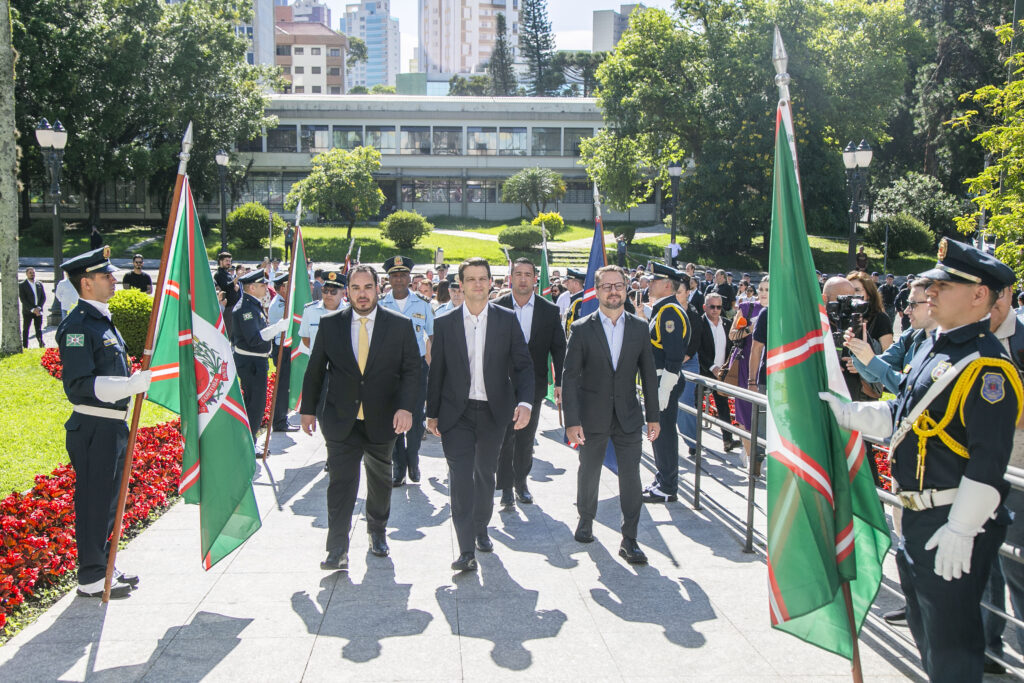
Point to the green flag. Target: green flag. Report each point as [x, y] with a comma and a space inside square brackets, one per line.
[194, 376]
[299, 294]
[545, 291]
[825, 522]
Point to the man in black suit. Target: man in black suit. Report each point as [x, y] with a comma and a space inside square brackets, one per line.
[541, 325]
[713, 354]
[481, 378]
[371, 362]
[32, 299]
[606, 351]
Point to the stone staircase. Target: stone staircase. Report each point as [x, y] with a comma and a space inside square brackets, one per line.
[574, 257]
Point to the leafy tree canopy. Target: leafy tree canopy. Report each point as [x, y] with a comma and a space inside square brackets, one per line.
[534, 188]
[357, 51]
[479, 85]
[341, 186]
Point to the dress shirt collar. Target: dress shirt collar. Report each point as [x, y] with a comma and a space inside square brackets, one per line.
[371, 316]
[1008, 327]
[466, 315]
[605, 320]
[517, 307]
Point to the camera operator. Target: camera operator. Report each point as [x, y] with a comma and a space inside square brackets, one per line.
[878, 323]
[840, 300]
[887, 367]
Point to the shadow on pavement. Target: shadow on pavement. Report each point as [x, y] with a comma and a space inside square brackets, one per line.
[538, 533]
[412, 511]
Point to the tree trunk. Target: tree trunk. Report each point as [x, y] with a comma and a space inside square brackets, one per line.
[25, 220]
[348, 237]
[10, 340]
[94, 195]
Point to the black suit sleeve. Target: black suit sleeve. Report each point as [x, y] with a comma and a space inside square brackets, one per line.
[648, 375]
[436, 370]
[522, 364]
[571, 376]
[706, 349]
[316, 369]
[411, 367]
[557, 345]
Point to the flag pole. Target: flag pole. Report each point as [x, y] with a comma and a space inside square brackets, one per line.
[147, 357]
[858, 674]
[288, 318]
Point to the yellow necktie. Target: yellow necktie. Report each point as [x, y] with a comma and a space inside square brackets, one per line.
[362, 353]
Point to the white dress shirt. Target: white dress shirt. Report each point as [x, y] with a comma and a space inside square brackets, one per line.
[614, 333]
[524, 314]
[371, 317]
[476, 333]
[563, 301]
[718, 334]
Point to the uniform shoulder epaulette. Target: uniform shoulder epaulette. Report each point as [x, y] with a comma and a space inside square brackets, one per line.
[421, 298]
[311, 303]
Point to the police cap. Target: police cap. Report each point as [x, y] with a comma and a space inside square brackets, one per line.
[95, 261]
[663, 272]
[254, 278]
[398, 264]
[576, 274]
[335, 278]
[959, 262]
[281, 278]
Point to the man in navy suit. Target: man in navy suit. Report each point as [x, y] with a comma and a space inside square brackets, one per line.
[481, 378]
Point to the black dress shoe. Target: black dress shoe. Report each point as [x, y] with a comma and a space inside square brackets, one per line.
[414, 475]
[130, 579]
[584, 533]
[524, 496]
[397, 481]
[484, 543]
[897, 617]
[630, 551]
[994, 667]
[336, 559]
[117, 591]
[465, 563]
[286, 428]
[379, 544]
[729, 445]
[656, 495]
[508, 500]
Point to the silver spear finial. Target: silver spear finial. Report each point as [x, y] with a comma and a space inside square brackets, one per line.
[186, 146]
[781, 60]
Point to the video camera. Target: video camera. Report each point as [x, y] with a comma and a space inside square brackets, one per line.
[845, 312]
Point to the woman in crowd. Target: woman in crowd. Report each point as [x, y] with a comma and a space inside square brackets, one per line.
[756, 368]
[878, 323]
[742, 336]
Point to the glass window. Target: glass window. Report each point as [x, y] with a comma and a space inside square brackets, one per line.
[348, 137]
[254, 145]
[316, 90]
[314, 50]
[299, 51]
[334, 52]
[432, 191]
[381, 137]
[314, 138]
[281, 139]
[481, 140]
[335, 89]
[447, 140]
[284, 50]
[286, 70]
[578, 192]
[415, 140]
[571, 142]
[481, 191]
[299, 89]
[512, 141]
[334, 71]
[314, 70]
[547, 142]
[300, 69]
[122, 196]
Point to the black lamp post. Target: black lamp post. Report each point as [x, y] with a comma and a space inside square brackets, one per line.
[856, 159]
[222, 170]
[675, 169]
[52, 140]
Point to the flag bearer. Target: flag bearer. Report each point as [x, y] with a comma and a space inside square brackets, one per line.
[277, 311]
[99, 384]
[954, 422]
[250, 338]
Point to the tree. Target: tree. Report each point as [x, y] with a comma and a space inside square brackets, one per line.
[999, 187]
[126, 78]
[922, 197]
[537, 45]
[503, 77]
[341, 186]
[580, 69]
[358, 90]
[533, 188]
[10, 339]
[478, 85]
[357, 52]
[381, 89]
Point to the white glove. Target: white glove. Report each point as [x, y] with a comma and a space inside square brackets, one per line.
[113, 389]
[273, 329]
[975, 503]
[870, 417]
[666, 383]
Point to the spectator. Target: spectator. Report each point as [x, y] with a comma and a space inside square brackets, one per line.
[620, 251]
[137, 279]
[727, 292]
[714, 349]
[742, 339]
[32, 299]
[318, 284]
[879, 325]
[709, 281]
[889, 290]
[289, 240]
[901, 302]
[696, 301]
[95, 238]
[756, 369]
[862, 261]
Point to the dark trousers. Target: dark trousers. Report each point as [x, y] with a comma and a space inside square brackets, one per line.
[287, 251]
[1013, 571]
[406, 454]
[96, 447]
[343, 458]
[280, 421]
[666, 446]
[945, 616]
[627, 453]
[516, 457]
[252, 375]
[722, 406]
[27, 320]
[471, 449]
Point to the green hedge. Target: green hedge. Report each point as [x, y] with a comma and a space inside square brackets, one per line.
[906, 234]
[249, 224]
[553, 221]
[523, 236]
[130, 310]
[405, 228]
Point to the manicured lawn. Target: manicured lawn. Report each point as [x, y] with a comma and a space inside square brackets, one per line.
[38, 242]
[32, 417]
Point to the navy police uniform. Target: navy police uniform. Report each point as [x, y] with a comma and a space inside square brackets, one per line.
[671, 336]
[954, 418]
[251, 351]
[92, 349]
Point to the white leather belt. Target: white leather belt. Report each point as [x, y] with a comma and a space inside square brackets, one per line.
[924, 500]
[251, 353]
[95, 411]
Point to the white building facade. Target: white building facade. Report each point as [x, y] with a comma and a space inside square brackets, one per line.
[458, 36]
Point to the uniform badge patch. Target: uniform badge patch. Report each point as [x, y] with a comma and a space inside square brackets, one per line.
[75, 340]
[940, 370]
[670, 326]
[247, 316]
[992, 387]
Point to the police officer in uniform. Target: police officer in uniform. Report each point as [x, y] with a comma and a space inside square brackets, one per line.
[671, 336]
[332, 300]
[406, 456]
[954, 422]
[277, 311]
[250, 337]
[98, 382]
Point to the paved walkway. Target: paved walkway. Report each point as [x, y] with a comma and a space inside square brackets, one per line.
[541, 607]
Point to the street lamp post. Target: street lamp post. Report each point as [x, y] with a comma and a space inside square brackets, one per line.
[856, 159]
[675, 169]
[222, 170]
[52, 140]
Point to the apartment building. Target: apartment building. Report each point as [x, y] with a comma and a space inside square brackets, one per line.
[609, 26]
[312, 57]
[371, 21]
[458, 36]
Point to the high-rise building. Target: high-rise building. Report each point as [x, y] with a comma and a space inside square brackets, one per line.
[609, 26]
[312, 57]
[311, 11]
[371, 21]
[457, 36]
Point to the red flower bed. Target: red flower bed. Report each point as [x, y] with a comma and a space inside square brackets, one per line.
[52, 363]
[37, 544]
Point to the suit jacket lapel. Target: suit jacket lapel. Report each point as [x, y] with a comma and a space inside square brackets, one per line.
[603, 340]
[347, 352]
[380, 332]
[490, 338]
[459, 341]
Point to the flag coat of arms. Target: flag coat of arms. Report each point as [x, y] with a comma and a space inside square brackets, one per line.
[194, 376]
[826, 526]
